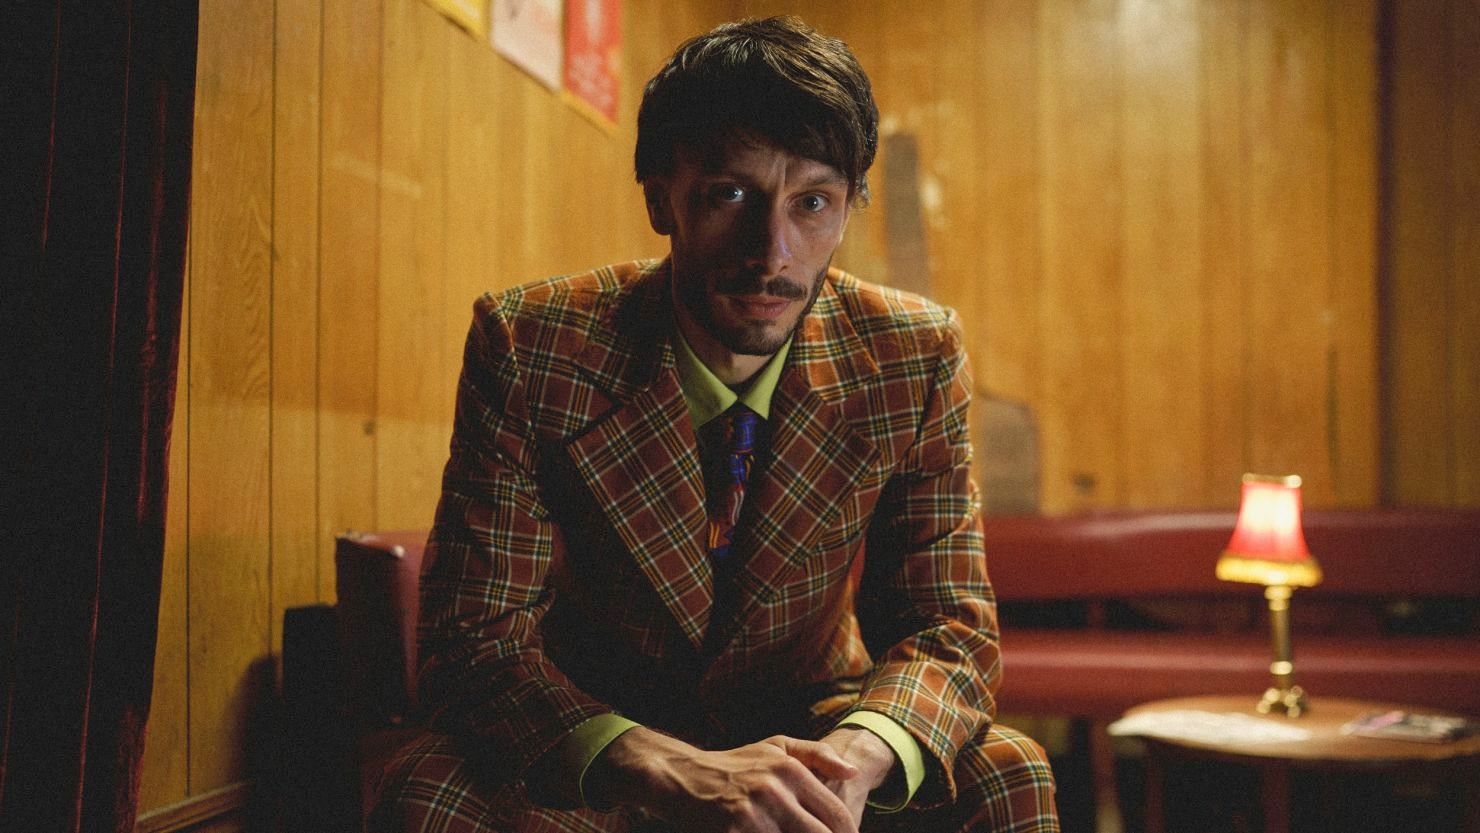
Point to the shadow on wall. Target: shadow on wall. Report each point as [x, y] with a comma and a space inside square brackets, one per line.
[1006, 445]
[293, 751]
[1005, 437]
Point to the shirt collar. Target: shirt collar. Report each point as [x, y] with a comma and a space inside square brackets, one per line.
[708, 397]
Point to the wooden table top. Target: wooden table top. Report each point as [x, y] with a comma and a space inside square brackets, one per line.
[1326, 744]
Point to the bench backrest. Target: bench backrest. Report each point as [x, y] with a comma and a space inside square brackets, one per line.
[376, 577]
[1126, 555]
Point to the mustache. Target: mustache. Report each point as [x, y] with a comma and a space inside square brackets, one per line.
[750, 283]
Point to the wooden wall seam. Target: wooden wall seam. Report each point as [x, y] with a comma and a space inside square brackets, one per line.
[293, 520]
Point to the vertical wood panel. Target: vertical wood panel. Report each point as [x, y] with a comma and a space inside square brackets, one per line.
[1161, 294]
[1353, 389]
[642, 53]
[909, 64]
[1418, 405]
[952, 199]
[295, 311]
[540, 246]
[608, 170]
[1008, 174]
[1225, 234]
[1289, 266]
[229, 598]
[579, 250]
[349, 229]
[474, 245]
[864, 250]
[512, 139]
[870, 250]
[409, 367]
[545, 247]
[1464, 153]
[1079, 414]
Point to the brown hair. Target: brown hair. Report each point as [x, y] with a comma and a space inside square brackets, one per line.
[776, 79]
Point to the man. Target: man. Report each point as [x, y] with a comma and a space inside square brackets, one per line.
[707, 555]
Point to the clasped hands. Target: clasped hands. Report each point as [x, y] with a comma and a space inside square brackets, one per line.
[779, 785]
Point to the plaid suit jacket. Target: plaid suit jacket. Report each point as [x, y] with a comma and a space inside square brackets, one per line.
[566, 574]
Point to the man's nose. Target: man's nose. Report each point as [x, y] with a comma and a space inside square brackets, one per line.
[768, 243]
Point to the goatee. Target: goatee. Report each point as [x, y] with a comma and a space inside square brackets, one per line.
[739, 339]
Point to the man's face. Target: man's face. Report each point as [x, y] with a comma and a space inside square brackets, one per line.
[752, 230]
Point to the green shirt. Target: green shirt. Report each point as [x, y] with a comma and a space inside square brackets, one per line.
[707, 398]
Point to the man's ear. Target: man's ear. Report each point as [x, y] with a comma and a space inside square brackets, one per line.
[660, 210]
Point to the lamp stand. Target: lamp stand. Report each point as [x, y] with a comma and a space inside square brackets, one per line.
[1283, 696]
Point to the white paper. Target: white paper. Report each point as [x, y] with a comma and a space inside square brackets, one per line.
[1208, 727]
[529, 33]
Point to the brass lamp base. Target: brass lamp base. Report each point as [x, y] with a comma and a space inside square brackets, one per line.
[1282, 696]
[1287, 701]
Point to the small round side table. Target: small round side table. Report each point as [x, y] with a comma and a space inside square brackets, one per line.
[1326, 750]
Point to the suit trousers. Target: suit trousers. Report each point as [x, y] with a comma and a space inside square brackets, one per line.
[1003, 784]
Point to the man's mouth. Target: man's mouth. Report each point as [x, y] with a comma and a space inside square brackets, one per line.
[766, 307]
[751, 287]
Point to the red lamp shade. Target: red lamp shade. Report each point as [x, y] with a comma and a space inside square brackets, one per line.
[1268, 544]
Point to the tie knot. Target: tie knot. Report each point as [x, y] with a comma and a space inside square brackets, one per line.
[740, 423]
[743, 418]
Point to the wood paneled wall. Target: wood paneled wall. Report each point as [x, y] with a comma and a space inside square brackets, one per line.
[362, 172]
[1158, 218]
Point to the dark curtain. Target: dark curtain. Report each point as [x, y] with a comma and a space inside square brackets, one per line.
[96, 104]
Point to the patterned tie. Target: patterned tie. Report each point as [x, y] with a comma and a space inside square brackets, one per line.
[733, 448]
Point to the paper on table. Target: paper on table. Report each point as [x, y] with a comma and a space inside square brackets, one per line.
[1208, 727]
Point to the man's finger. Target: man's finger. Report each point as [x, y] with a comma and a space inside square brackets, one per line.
[819, 757]
[825, 806]
[806, 801]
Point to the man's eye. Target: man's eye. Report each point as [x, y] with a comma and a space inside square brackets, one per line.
[813, 203]
[727, 193]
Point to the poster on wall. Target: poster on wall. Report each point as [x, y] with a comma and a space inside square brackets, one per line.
[471, 15]
[527, 32]
[593, 57]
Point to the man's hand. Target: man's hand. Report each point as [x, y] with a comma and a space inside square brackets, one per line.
[869, 755]
[779, 785]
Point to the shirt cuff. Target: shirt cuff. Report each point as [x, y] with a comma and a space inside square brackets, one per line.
[890, 797]
[576, 751]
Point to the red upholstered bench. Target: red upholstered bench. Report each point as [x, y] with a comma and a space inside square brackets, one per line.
[1103, 611]
[377, 576]
[349, 681]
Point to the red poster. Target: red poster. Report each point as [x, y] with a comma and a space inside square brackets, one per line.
[593, 55]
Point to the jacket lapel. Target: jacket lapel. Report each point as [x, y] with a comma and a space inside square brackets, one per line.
[640, 459]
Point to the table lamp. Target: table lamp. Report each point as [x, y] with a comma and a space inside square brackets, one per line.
[1268, 548]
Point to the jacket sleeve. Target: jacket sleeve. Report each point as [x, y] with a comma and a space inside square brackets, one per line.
[486, 583]
[925, 605]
